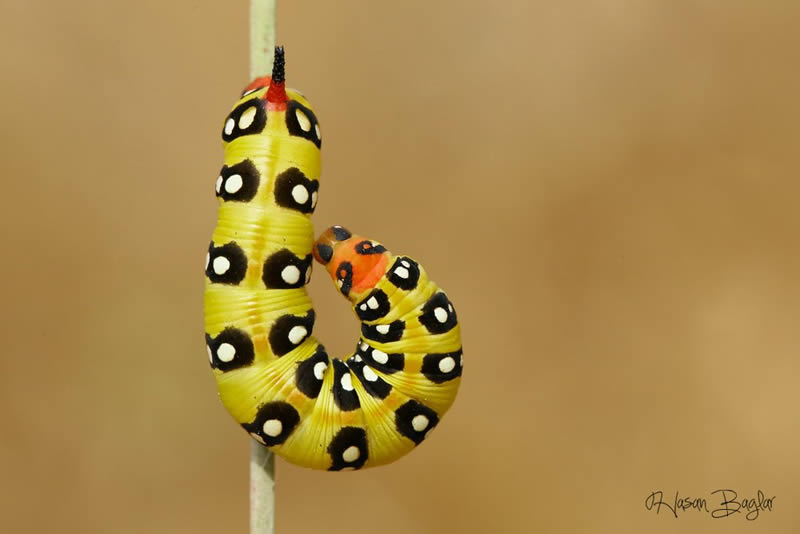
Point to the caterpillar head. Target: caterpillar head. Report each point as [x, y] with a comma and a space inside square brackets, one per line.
[354, 262]
[267, 105]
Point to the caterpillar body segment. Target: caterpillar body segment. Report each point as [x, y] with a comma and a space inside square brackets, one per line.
[273, 376]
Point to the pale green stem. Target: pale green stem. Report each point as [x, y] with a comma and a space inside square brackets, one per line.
[262, 461]
[262, 489]
[262, 37]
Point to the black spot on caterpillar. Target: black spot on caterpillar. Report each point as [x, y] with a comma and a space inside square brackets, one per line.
[341, 233]
[404, 273]
[302, 122]
[230, 349]
[414, 420]
[368, 247]
[290, 331]
[344, 277]
[284, 270]
[374, 306]
[440, 368]
[387, 363]
[325, 252]
[226, 264]
[438, 314]
[384, 333]
[348, 449]
[311, 371]
[294, 191]
[373, 384]
[247, 118]
[343, 392]
[273, 423]
[238, 183]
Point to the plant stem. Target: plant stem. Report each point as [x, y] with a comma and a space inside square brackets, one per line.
[262, 489]
[262, 461]
[262, 37]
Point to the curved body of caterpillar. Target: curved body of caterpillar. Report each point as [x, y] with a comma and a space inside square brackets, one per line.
[273, 376]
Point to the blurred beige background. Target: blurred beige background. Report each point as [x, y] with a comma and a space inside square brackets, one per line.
[607, 189]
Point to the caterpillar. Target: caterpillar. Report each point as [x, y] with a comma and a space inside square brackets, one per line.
[276, 380]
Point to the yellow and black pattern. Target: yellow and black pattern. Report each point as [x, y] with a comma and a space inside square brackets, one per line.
[274, 377]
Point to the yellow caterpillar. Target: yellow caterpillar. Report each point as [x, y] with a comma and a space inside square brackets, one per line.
[274, 377]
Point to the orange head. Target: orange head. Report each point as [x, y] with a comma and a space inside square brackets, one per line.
[354, 262]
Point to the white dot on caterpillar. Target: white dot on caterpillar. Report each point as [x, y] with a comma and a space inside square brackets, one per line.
[364, 346]
[302, 120]
[363, 307]
[357, 358]
[273, 427]
[297, 333]
[370, 375]
[300, 194]
[351, 454]
[461, 360]
[382, 328]
[316, 130]
[219, 184]
[419, 422]
[208, 258]
[340, 283]
[221, 265]
[258, 438]
[379, 356]
[308, 274]
[246, 118]
[441, 315]
[290, 274]
[402, 272]
[314, 199]
[404, 263]
[319, 369]
[210, 356]
[372, 303]
[447, 364]
[347, 382]
[450, 307]
[229, 124]
[233, 183]
[226, 352]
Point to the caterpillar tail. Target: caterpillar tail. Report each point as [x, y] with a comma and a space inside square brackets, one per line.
[276, 380]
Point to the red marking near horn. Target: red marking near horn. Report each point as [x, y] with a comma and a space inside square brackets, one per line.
[276, 97]
[258, 83]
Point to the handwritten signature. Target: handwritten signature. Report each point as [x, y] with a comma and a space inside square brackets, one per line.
[729, 504]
